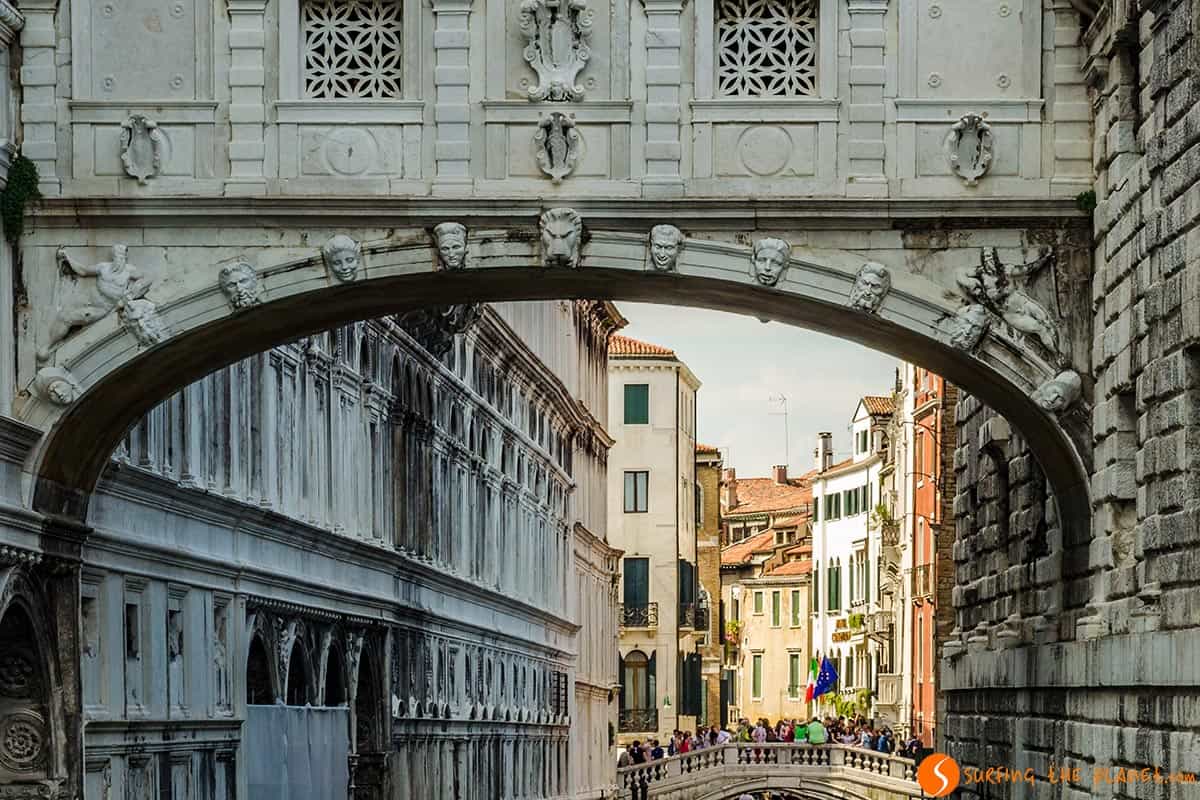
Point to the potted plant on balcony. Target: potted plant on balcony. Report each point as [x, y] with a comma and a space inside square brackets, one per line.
[855, 621]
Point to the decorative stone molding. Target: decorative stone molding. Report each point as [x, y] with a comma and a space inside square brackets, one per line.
[769, 260]
[561, 231]
[247, 109]
[968, 148]
[665, 243]
[22, 740]
[452, 111]
[343, 257]
[1001, 289]
[451, 241]
[556, 145]
[142, 145]
[435, 328]
[141, 319]
[1060, 392]
[11, 23]
[56, 385]
[117, 283]
[240, 285]
[557, 32]
[870, 287]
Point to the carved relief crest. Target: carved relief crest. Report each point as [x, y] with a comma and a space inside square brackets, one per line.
[557, 32]
[142, 145]
[968, 148]
[556, 145]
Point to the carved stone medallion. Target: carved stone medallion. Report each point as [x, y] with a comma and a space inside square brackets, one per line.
[561, 229]
[870, 287]
[22, 740]
[142, 145]
[556, 145]
[557, 32]
[968, 148]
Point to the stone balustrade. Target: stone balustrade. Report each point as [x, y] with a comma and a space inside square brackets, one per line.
[715, 771]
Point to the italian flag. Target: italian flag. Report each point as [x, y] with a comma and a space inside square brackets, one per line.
[812, 680]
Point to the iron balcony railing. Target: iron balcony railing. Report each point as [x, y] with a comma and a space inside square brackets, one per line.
[638, 720]
[922, 581]
[693, 615]
[643, 616]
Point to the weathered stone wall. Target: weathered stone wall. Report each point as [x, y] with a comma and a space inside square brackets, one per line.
[1128, 617]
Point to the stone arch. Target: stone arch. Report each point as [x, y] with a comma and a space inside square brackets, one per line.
[806, 790]
[32, 721]
[367, 720]
[297, 688]
[334, 691]
[120, 381]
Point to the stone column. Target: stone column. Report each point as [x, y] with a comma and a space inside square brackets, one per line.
[247, 104]
[663, 75]
[451, 110]
[867, 79]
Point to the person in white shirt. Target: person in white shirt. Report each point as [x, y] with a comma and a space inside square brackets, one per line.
[724, 736]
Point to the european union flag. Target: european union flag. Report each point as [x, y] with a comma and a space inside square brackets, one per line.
[826, 679]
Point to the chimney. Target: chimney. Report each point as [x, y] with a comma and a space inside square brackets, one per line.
[729, 483]
[824, 451]
[779, 472]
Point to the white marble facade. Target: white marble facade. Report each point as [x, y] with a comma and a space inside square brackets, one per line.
[350, 522]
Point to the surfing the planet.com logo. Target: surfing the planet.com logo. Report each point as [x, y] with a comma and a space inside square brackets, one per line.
[939, 775]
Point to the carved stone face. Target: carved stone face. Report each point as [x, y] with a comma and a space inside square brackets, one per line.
[665, 241]
[870, 287]
[451, 244]
[343, 257]
[969, 325]
[1058, 393]
[770, 260]
[56, 385]
[240, 285]
[561, 229]
[141, 319]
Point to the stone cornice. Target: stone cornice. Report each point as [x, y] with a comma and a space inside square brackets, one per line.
[608, 214]
[11, 22]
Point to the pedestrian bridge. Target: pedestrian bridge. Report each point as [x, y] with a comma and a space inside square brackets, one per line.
[786, 771]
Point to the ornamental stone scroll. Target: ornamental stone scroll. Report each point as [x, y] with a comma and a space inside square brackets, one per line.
[968, 148]
[557, 32]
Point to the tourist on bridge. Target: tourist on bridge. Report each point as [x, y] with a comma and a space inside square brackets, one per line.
[626, 757]
[656, 752]
[816, 732]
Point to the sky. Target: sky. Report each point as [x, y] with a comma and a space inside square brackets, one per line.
[742, 362]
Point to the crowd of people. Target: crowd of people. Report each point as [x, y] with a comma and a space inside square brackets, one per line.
[855, 732]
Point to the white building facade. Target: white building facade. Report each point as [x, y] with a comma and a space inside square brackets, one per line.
[846, 552]
[652, 519]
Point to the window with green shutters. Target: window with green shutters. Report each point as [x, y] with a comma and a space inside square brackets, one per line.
[756, 681]
[793, 675]
[637, 403]
[816, 588]
[795, 608]
[758, 602]
[776, 608]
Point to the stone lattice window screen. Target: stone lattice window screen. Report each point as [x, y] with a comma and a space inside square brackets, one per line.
[352, 48]
[766, 48]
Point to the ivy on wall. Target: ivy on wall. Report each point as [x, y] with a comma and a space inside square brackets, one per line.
[21, 189]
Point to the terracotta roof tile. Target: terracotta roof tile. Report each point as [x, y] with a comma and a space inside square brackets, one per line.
[799, 566]
[624, 346]
[706, 448]
[741, 552]
[879, 406]
[760, 495]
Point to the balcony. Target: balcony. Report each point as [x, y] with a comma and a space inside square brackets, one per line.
[638, 720]
[643, 616]
[879, 624]
[922, 583]
[694, 616]
[889, 690]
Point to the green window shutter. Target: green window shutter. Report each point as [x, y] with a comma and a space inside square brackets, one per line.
[756, 686]
[637, 403]
[795, 607]
[793, 674]
[758, 602]
[776, 603]
[816, 587]
[867, 580]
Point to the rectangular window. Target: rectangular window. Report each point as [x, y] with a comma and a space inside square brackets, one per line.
[837, 506]
[758, 603]
[737, 609]
[862, 441]
[637, 582]
[637, 485]
[746, 69]
[637, 403]
[776, 610]
[352, 50]
[756, 682]
[795, 608]
[816, 587]
[793, 675]
[816, 507]
[849, 671]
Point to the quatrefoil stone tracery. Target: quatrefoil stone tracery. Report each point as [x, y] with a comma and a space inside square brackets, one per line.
[352, 48]
[767, 48]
